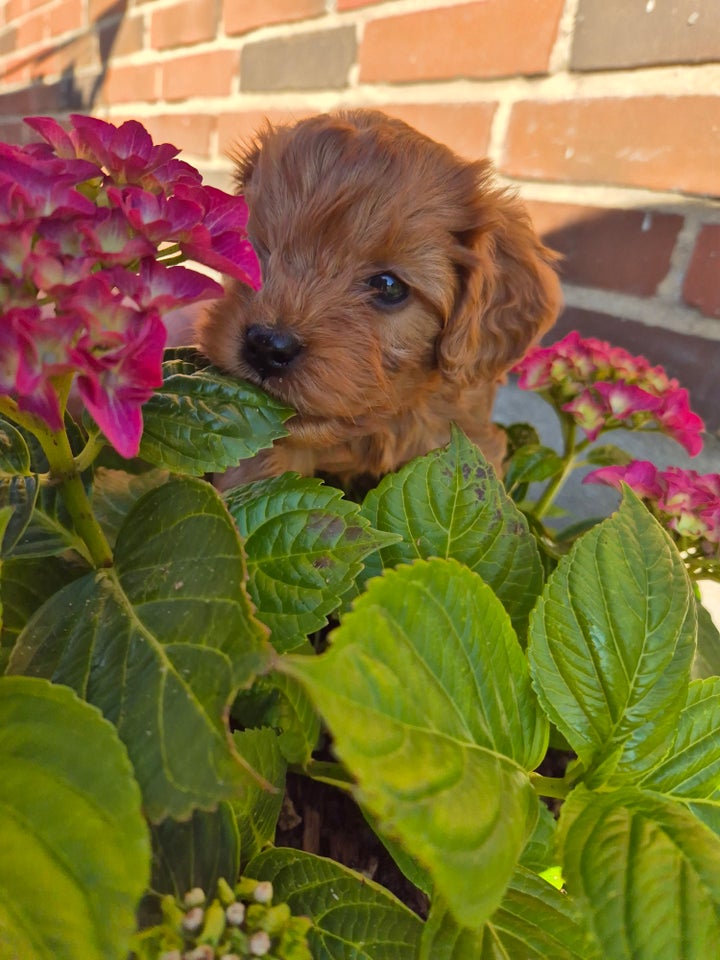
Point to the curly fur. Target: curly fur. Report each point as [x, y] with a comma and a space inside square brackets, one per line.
[334, 200]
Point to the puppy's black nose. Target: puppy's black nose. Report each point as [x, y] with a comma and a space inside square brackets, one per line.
[270, 350]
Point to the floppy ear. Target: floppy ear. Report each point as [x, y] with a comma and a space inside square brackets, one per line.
[508, 295]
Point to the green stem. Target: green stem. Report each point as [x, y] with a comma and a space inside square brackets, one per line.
[65, 473]
[571, 449]
[324, 771]
[89, 452]
[556, 787]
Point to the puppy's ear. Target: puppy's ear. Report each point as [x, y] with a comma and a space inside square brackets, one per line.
[508, 294]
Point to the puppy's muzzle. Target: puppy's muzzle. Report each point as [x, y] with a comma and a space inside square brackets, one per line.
[270, 351]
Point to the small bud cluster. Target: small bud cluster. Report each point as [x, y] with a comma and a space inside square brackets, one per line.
[239, 924]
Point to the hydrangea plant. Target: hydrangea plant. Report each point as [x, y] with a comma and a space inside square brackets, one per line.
[159, 641]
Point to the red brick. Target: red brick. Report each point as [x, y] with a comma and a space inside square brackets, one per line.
[78, 53]
[251, 14]
[65, 16]
[14, 9]
[122, 37]
[494, 38]
[37, 98]
[192, 21]
[464, 127]
[32, 30]
[16, 70]
[702, 281]
[624, 250]
[662, 143]
[8, 41]
[98, 9]
[190, 133]
[204, 74]
[124, 84]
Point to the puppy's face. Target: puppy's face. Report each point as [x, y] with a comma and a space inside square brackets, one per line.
[378, 248]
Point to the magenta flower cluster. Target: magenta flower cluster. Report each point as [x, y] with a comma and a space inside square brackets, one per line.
[685, 501]
[604, 387]
[86, 218]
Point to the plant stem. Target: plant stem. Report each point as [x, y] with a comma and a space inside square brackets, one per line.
[556, 787]
[65, 473]
[557, 482]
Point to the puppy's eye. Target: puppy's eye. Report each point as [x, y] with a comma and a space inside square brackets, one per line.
[388, 290]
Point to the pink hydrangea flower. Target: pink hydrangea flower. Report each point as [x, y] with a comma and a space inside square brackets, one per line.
[603, 387]
[82, 287]
[684, 500]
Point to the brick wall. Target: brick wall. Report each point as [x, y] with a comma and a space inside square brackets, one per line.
[605, 114]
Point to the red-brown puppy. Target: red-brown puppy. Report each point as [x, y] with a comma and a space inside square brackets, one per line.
[399, 285]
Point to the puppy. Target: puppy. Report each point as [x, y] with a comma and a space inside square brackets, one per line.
[399, 285]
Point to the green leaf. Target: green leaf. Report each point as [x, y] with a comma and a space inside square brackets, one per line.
[450, 504]
[18, 497]
[41, 526]
[161, 643]
[707, 655]
[531, 464]
[611, 643]
[691, 771]
[24, 586]
[426, 692]
[202, 421]
[257, 810]
[534, 922]
[196, 852]
[281, 702]
[539, 853]
[305, 545]
[351, 916]
[115, 492]
[14, 453]
[645, 871]
[74, 848]
[607, 455]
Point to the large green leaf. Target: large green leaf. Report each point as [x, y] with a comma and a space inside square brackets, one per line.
[74, 848]
[691, 772]
[534, 922]
[707, 655]
[305, 545]
[450, 504]
[427, 694]
[24, 586]
[161, 643]
[202, 421]
[196, 852]
[647, 873]
[352, 917]
[115, 492]
[611, 643]
[257, 810]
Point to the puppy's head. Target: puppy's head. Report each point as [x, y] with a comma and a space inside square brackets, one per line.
[390, 267]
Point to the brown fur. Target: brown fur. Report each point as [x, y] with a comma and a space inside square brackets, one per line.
[333, 201]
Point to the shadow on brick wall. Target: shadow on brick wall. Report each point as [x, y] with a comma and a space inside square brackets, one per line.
[79, 65]
[619, 254]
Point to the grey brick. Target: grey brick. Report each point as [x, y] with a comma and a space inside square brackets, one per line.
[307, 61]
[611, 34]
